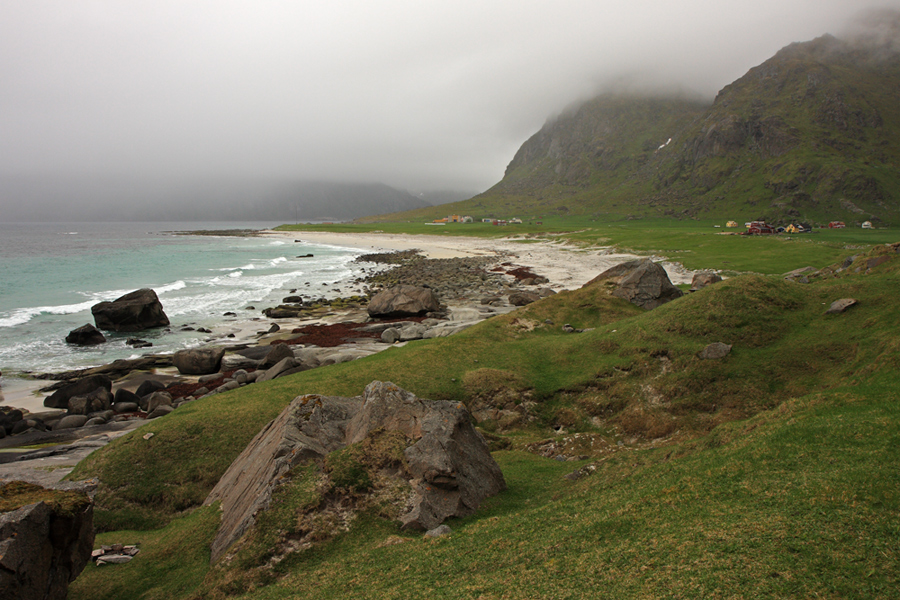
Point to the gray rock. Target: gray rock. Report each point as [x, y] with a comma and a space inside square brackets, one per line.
[402, 301]
[95, 421]
[135, 311]
[43, 549]
[523, 298]
[124, 396]
[86, 335]
[157, 399]
[160, 411]
[149, 386]
[97, 400]
[231, 362]
[390, 335]
[276, 354]
[447, 465]
[438, 531]
[412, 332]
[715, 351]
[701, 279]
[283, 365]
[839, 306]
[81, 387]
[228, 386]
[125, 407]
[70, 422]
[199, 361]
[642, 282]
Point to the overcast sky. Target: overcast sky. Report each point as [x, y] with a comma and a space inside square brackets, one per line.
[415, 94]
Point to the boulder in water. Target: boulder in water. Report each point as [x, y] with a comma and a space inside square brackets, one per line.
[135, 311]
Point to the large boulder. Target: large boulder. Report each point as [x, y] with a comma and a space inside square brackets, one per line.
[642, 282]
[199, 361]
[81, 387]
[403, 301]
[276, 354]
[86, 335]
[44, 544]
[701, 279]
[443, 463]
[94, 401]
[135, 311]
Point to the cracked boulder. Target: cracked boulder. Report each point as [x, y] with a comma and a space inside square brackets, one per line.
[386, 438]
[642, 282]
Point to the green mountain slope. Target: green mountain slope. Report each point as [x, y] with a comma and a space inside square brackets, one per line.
[812, 134]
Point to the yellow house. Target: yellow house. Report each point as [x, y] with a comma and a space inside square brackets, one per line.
[731, 224]
[791, 229]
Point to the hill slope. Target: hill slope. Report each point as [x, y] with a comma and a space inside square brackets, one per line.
[812, 134]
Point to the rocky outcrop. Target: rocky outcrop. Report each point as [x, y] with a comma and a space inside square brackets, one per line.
[445, 467]
[81, 387]
[46, 538]
[523, 298]
[403, 301]
[199, 361]
[642, 282]
[135, 311]
[86, 335]
[701, 279]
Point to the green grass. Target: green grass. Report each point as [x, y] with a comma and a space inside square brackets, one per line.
[770, 473]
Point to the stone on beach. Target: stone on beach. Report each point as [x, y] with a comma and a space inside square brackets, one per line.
[199, 361]
[85, 385]
[642, 282]
[403, 301]
[135, 311]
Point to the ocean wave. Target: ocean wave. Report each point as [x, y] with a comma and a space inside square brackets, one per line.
[172, 287]
[23, 315]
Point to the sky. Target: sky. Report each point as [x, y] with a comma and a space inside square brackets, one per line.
[418, 94]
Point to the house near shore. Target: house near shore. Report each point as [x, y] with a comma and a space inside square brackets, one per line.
[867, 225]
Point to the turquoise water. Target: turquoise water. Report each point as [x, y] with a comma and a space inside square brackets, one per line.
[51, 275]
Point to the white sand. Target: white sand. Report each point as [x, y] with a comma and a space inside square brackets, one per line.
[567, 267]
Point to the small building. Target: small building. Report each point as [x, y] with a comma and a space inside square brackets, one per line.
[487, 220]
[836, 225]
[731, 224]
[792, 229]
[515, 221]
[759, 228]
[467, 219]
[867, 225]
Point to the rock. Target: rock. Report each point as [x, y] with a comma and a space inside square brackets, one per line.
[438, 531]
[292, 300]
[280, 369]
[138, 343]
[43, 545]
[81, 387]
[446, 464]
[97, 400]
[878, 260]
[199, 361]
[149, 386]
[9, 418]
[839, 306]
[403, 301]
[390, 335]
[124, 396]
[276, 354]
[545, 292]
[642, 282]
[70, 422]
[125, 407]
[715, 351]
[95, 421]
[523, 298]
[274, 328]
[160, 411]
[415, 331]
[230, 362]
[86, 335]
[135, 311]
[157, 399]
[702, 279]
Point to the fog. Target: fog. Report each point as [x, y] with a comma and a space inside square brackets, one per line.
[417, 95]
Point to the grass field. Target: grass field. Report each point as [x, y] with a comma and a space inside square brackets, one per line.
[772, 473]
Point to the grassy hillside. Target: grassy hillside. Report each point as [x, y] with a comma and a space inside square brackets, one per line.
[770, 473]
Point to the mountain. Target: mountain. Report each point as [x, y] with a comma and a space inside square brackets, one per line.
[32, 198]
[812, 134]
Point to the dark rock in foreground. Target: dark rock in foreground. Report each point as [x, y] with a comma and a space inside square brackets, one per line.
[446, 466]
[86, 335]
[135, 311]
[642, 282]
[81, 387]
[46, 537]
[403, 301]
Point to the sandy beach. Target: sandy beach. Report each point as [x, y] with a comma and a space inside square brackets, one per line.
[566, 266]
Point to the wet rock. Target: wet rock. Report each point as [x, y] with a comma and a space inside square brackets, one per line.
[80, 387]
[86, 335]
[135, 311]
[199, 361]
[403, 301]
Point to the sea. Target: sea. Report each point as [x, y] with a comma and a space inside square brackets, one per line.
[52, 273]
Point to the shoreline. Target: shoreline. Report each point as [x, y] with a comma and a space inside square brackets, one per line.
[565, 266]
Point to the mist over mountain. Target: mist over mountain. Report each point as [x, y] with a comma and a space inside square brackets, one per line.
[82, 198]
[811, 134]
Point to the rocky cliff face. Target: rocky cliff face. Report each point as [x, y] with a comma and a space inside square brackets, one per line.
[812, 133]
